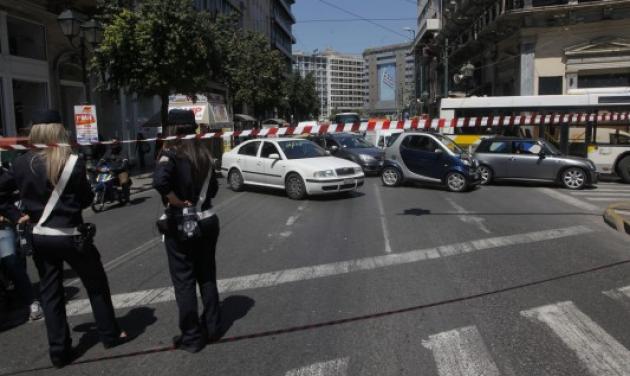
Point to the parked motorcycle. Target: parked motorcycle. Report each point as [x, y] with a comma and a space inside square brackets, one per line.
[107, 188]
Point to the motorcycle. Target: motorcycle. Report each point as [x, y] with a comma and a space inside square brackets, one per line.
[107, 189]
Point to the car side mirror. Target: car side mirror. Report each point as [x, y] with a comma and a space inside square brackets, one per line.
[275, 156]
[334, 148]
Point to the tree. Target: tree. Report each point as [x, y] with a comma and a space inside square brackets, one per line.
[158, 48]
[303, 100]
[253, 72]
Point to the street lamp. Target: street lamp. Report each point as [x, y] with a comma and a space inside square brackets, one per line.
[72, 25]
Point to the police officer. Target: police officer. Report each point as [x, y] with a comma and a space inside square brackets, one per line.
[35, 175]
[184, 169]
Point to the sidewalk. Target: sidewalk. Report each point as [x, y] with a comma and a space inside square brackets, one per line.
[141, 180]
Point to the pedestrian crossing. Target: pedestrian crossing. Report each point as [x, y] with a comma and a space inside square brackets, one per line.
[604, 194]
[464, 352]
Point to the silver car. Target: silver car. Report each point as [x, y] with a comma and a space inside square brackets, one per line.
[532, 160]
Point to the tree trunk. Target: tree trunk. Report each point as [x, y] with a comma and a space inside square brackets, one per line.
[164, 110]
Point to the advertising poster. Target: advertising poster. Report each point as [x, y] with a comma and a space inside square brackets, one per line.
[387, 82]
[85, 123]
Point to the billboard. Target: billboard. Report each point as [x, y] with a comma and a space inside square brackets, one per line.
[387, 82]
[86, 124]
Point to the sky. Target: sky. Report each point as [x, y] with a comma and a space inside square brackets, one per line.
[353, 35]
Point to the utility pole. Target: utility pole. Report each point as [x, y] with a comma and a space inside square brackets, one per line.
[445, 67]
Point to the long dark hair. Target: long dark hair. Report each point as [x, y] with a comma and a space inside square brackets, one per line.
[191, 149]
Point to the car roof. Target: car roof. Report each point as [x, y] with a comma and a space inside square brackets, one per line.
[510, 138]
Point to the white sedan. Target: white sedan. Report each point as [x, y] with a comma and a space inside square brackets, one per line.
[298, 166]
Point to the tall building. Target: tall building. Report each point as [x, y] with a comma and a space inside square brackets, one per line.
[391, 77]
[522, 47]
[272, 18]
[340, 80]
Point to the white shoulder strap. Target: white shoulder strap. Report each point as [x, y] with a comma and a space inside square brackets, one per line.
[204, 190]
[61, 185]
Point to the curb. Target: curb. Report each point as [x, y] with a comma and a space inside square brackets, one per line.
[617, 221]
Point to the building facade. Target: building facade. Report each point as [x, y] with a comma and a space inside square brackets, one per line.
[272, 18]
[340, 80]
[523, 47]
[390, 74]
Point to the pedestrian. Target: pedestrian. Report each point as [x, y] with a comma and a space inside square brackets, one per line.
[185, 178]
[141, 149]
[159, 144]
[13, 261]
[53, 189]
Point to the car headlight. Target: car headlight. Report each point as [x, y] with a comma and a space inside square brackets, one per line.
[467, 162]
[324, 174]
[366, 158]
[358, 170]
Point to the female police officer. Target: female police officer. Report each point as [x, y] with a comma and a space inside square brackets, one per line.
[38, 176]
[185, 178]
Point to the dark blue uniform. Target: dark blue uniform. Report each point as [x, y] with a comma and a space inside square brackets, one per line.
[191, 262]
[28, 176]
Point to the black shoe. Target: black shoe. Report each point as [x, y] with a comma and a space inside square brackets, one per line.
[177, 344]
[117, 342]
[62, 360]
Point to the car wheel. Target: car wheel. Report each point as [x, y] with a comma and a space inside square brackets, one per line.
[236, 180]
[624, 170]
[295, 187]
[391, 176]
[573, 178]
[486, 174]
[456, 182]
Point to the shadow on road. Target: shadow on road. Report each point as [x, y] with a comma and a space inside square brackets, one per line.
[233, 308]
[135, 323]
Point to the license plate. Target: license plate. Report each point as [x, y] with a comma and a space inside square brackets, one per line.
[348, 181]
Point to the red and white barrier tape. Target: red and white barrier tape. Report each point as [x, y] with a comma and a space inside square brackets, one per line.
[371, 126]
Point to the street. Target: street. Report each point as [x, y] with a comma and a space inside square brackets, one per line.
[414, 280]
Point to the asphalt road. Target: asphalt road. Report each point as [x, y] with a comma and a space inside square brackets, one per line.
[504, 280]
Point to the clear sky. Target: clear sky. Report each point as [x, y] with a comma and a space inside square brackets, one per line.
[352, 36]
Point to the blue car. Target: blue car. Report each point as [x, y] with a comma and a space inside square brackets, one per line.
[429, 158]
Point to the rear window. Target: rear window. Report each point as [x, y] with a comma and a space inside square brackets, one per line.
[249, 149]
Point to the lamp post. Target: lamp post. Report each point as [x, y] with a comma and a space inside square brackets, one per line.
[73, 24]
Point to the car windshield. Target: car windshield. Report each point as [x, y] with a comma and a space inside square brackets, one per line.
[550, 148]
[301, 149]
[450, 144]
[354, 142]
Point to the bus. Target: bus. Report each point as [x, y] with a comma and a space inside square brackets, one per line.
[347, 117]
[600, 133]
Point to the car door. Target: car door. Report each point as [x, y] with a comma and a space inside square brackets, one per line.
[247, 161]
[496, 154]
[418, 153]
[274, 168]
[527, 163]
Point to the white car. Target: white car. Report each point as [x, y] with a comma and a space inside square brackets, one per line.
[298, 166]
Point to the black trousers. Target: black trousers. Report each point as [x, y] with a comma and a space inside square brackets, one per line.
[49, 253]
[191, 263]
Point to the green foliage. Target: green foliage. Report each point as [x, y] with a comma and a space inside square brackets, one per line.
[251, 69]
[303, 100]
[161, 47]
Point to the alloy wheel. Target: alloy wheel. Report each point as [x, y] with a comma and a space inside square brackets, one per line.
[485, 174]
[573, 178]
[456, 182]
[390, 177]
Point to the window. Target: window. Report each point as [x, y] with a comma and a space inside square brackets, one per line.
[603, 80]
[249, 149]
[526, 147]
[619, 139]
[494, 147]
[26, 39]
[420, 143]
[27, 98]
[268, 149]
[550, 85]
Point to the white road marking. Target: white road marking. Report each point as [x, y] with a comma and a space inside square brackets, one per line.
[285, 233]
[381, 212]
[602, 192]
[606, 199]
[569, 200]
[597, 350]
[337, 367]
[622, 295]
[292, 219]
[256, 281]
[461, 352]
[466, 217]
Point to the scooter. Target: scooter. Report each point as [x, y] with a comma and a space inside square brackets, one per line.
[106, 188]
